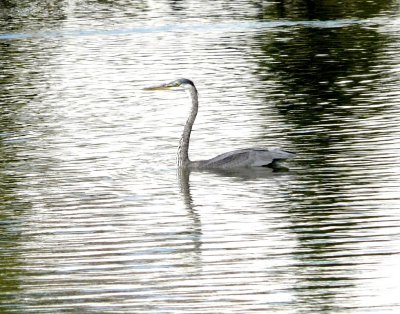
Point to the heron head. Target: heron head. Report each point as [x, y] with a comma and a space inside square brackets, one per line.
[179, 84]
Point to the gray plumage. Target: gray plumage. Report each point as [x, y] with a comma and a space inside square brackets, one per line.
[250, 157]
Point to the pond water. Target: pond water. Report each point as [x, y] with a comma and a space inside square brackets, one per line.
[96, 217]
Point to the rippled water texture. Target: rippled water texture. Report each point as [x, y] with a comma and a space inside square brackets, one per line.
[96, 217]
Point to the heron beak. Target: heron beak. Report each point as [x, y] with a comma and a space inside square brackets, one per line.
[159, 87]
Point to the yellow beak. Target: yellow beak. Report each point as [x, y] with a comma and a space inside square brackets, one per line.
[159, 87]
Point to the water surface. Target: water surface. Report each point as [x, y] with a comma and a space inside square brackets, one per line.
[96, 217]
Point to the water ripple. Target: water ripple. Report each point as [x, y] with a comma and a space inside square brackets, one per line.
[94, 214]
[199, 27]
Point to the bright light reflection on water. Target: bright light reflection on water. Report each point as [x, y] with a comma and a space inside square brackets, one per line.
[94, 214]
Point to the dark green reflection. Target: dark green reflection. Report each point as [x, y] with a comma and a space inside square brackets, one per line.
[323, 81]
[17, 15]
[11, 211]
[12, 207]
[322, 72]
[327, 10]
[21, 68]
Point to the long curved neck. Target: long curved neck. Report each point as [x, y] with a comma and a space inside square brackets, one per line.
[183, 150]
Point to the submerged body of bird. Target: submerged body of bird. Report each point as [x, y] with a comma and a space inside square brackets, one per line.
[250, 157]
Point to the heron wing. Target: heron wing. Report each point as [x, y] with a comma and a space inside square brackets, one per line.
[250, 157]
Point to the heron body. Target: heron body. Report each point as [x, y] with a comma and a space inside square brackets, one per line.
[241, 158]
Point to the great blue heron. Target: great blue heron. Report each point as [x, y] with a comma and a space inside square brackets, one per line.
[250, 157]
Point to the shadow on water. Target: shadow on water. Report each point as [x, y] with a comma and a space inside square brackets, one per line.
[236, 175]
[327, 10]
[247, 174]
[18, 88]
[321, 82]
[12, 208]
[26, 15]
[184, 187]
[327, 88]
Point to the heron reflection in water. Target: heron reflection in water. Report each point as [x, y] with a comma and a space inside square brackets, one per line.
[242, 158]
